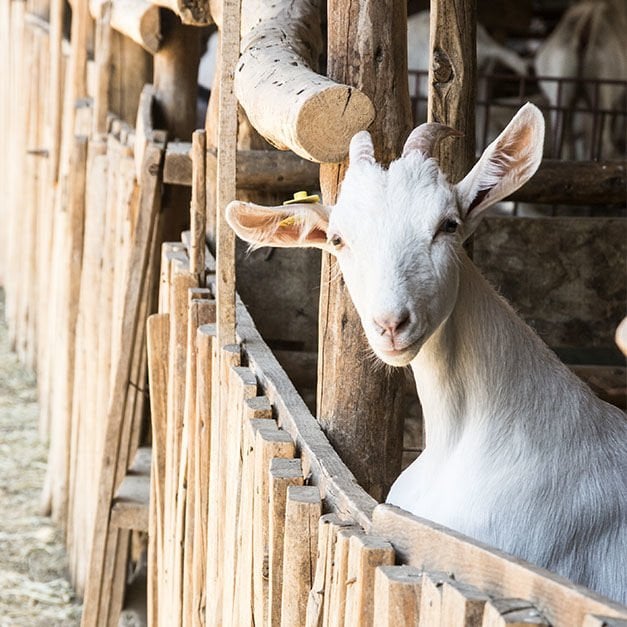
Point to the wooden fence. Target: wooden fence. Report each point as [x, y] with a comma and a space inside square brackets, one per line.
[250, 515]
[254, 518]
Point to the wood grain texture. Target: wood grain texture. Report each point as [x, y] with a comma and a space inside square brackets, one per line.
[138, 263]
[320, 460]
[302, 511]
[310, 114]
[284, 472]
[576, 183]
[397, 593]
[226, 171]
[365, 554]
[452, 81]
[366, 432]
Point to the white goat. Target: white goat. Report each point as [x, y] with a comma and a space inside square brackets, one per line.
[519, 452]
[488, 49]
[589, 42]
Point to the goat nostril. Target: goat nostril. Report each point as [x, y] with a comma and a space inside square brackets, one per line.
[403, 321]
[392, 324]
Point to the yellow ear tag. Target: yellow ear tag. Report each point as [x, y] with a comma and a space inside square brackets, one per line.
[302, 197]
[299, 197]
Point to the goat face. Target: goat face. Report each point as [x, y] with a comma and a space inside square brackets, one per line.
[397, 233]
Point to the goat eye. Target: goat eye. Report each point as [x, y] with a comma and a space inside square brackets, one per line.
[449, 226]
[336, 241]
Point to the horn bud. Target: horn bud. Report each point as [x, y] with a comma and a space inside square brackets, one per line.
[427, 136]
[361, 148]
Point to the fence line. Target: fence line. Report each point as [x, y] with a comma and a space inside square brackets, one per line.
[251, 515]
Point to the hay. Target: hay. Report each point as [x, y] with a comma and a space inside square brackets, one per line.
[34, 590]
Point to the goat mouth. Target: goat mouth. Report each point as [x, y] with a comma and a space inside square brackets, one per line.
[401, 356]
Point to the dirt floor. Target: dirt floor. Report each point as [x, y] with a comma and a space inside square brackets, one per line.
[34, 590]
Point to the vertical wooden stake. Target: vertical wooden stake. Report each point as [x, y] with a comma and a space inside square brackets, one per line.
[227, 148]
[361, 417]
[198, 209]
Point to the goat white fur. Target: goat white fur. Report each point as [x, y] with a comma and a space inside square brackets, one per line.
[519, 453]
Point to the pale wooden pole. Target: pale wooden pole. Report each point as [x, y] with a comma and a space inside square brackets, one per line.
[226, 168]
[358, 404]
[175, 81]
[453, 80]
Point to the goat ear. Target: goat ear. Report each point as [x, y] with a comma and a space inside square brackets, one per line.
[505, 165]
[302, 225]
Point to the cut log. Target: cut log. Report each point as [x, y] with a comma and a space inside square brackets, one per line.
[136, 19]
[286, 101]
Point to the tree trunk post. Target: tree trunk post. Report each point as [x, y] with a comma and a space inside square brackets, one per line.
[358, 404]
[453, 80]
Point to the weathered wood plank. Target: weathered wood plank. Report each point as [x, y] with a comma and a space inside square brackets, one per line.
[365, 554]
[302, 511]
[283, 473]
[397, 593]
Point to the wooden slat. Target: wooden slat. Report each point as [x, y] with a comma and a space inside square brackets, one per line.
[223, 360]
[397, 593]
[205, 338]
[258, 419]
[318, 602]
[269, 444]
[302, 511]
[138, 263]
[158, 331]
[201, 312]
[269, 169]
[431, 598]
[344, 495]
[226, 170]
[181, 282]
[130, 507]
[198, 208]
[244, 387]
[283, 474]
[462, 604]
[365, 554]
[576, 183]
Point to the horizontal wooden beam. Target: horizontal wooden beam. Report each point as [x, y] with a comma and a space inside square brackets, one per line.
[321, 463]
[256, 169]
[576, 183]
[429, 546]
[136, 19]
[130, 503]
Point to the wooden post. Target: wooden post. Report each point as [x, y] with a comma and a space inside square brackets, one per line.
[175, 79]
[453, 79]
[360, 417]
[227, 149]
